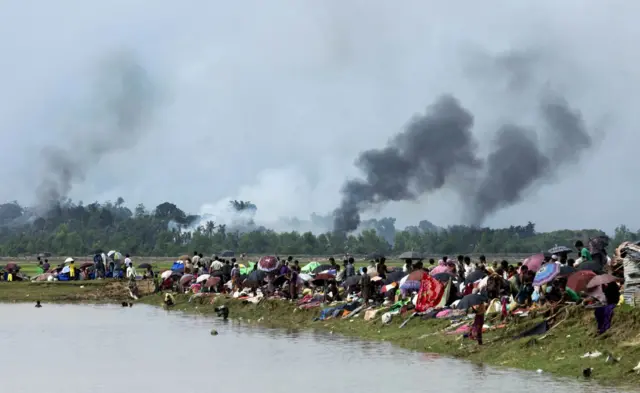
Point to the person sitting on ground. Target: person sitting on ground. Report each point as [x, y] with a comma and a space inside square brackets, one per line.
[432, 262]
[333, 294]
[306, 291]
[148, 273]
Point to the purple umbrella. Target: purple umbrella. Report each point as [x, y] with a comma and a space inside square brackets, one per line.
[534, 262]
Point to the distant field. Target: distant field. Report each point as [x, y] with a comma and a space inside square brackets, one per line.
[29, 264]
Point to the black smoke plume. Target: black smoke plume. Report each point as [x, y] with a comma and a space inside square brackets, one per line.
[121, 105]
[418, 160]
[436, 147]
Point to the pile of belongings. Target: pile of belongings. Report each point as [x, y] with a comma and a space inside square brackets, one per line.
[629, 253]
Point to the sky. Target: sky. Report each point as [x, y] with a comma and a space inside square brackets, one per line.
[272, 101]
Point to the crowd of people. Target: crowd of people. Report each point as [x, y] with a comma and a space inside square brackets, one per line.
[448, 288]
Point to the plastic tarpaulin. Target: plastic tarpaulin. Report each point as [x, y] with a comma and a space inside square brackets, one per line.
[308, 268]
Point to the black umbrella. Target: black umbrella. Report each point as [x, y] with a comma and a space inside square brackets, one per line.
[472, 300]
[351, 281]
[566, 270]
[560, 250]
[443, 277]
[227, 253]
[144, 266]
[322, 268]
[217, 273]
[474, 276]
[375, 255]
[594, 266]
[394, 276]
[255, 278]
[411, 255]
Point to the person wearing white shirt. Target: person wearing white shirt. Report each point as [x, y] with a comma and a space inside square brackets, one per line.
[195, 258]
[131, 271]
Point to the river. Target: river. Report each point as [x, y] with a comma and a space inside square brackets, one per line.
[69, 348]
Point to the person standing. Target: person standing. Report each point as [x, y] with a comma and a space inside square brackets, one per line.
[365, 285]
[72, 270]
[350, 268]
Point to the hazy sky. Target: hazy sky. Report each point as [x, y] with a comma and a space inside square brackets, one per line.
[271, 101]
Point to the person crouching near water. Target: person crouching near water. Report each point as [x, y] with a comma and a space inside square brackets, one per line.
[478, 322]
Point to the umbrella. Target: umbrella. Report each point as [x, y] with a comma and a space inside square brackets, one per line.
[186, 279]
[443, 277]
[322, 268]
[591, 265]
[324, 276]
[255, 278]
[351, 281]
[212, 282]
[471, 300]
[11, 266]
[578, 281]
[603, 279]
[560, 250]
[144, 266]
[268, 264]
[86, 265]
[534, 262]
[65, 269]
[546, 274]
[475, 276]
[69, 260]
[110, 253]
[412, 281]
[375, 255]
[394, 276]
[184, 257]
[166, 274]
[388, 287]
[410, 255]
[227, 253]
[202, 277]
[567, 270]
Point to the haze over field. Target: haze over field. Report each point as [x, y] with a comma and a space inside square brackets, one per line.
[274, 102]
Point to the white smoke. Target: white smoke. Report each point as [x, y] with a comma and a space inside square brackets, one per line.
[284, 198]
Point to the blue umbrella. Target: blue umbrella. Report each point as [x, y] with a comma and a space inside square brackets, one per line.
[546, 274]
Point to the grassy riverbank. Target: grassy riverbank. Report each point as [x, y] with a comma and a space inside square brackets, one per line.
[557, 352]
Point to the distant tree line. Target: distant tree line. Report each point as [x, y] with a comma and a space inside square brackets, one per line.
[77, 229]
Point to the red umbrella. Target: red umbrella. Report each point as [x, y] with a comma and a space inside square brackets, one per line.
[268, 264]
[324, 276]
[603, 279]
[86, 265]
[534, 262]
[578, 281]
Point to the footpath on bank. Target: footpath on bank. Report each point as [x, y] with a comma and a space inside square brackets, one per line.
[567, 349]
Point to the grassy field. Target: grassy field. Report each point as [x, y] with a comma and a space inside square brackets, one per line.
[29, 265]
[558, 352]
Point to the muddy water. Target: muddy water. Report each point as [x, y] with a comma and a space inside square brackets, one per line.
[85, 349]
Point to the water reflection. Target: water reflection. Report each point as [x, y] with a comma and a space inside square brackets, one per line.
[150, 349]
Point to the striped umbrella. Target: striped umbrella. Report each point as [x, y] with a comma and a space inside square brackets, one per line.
[268, 264]
[546, 274]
